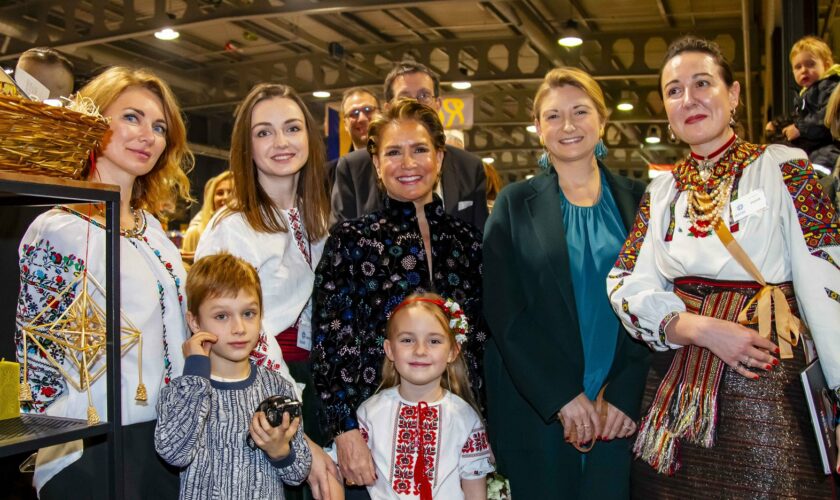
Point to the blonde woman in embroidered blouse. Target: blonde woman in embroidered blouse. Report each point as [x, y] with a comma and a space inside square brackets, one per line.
[277, 221]
[675, 286]
[144, 154]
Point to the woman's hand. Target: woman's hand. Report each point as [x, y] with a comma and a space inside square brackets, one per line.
[738, 346]
[579, 414]
[618, 424]
[354, 459]
[199, 344]
[323, 475]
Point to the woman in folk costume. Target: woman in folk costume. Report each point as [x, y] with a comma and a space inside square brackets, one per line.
[549, 244]
[729, 417]
[144, 154]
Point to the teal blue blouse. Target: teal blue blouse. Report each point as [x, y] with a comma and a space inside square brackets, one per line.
[594, 236]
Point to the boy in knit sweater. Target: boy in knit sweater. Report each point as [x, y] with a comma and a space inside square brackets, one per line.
[205, 416]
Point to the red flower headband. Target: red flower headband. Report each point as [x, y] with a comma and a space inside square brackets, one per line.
[457, 320]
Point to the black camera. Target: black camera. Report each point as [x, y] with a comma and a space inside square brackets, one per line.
[274, 407]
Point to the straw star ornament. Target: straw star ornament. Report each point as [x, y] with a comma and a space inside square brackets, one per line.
[80, 334]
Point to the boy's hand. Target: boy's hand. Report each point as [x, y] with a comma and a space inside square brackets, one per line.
[199, 344]
[274, 441]
[791, 132]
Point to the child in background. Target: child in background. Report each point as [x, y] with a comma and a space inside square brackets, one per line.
[206, 415]
[817, 75]
[426, 438]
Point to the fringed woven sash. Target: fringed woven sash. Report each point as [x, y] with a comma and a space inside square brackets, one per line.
[685, 405]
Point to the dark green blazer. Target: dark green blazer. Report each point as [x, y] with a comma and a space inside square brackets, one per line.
[534, 364]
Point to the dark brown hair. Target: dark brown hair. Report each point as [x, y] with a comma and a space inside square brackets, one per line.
[702, 46]
[407, 68]
[250, 198]
[406, 110]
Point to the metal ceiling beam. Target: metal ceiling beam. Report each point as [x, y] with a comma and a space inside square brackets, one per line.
[665, 12]
[195, 13]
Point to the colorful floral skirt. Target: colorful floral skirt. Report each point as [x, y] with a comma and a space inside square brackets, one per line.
[764, 444]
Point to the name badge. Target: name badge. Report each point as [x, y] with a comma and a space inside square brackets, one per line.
[752, 203]
[304, 336]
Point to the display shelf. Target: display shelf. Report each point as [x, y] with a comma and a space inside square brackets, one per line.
[31, 431]
[28, 432]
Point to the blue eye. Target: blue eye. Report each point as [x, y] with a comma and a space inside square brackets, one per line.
[130, 117]
[159, 130]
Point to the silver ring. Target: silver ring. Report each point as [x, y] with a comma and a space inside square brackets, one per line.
[585, 426]
[747, 361]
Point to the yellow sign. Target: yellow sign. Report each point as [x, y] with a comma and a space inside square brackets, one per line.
[457, 111]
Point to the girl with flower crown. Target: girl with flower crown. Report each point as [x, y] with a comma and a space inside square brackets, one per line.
[422, 427]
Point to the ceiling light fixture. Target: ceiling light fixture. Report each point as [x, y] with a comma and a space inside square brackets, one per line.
[570, 35]
[488, 159]
[321, 94]
[461, 85]
[167, 34]
[531, 128]
[654, 135]
[625, 106]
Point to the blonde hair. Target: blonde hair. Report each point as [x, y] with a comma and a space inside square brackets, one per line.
[816, 47]
[457, 379]
[167, 178]
[207, 207]
[566, 75]
[250, 198]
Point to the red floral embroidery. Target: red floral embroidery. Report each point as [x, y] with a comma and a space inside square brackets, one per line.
[408, 437]
[300, 237]
[260, 355]
[477, 444]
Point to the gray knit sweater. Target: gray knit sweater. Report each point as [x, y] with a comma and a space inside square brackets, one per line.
[202, 426]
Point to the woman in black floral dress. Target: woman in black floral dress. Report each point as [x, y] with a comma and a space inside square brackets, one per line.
[370, 264]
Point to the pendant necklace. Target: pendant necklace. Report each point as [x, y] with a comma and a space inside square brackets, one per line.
[705, 163]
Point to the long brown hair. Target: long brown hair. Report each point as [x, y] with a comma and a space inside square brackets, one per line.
[457, 378]
[250, 198]
[167, 178]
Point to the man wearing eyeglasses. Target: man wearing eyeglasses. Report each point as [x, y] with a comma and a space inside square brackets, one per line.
[462, 186]
[358, 105]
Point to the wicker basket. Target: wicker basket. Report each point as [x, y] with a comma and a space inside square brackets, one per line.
[36, 138]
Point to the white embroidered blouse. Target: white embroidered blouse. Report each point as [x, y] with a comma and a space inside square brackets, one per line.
[790, 233]
[57, 247]
[454, 438]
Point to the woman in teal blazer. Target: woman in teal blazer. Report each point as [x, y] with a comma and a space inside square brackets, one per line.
[548, 246]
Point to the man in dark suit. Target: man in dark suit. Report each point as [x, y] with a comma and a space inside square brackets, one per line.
[463, 183]
[358, 106]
